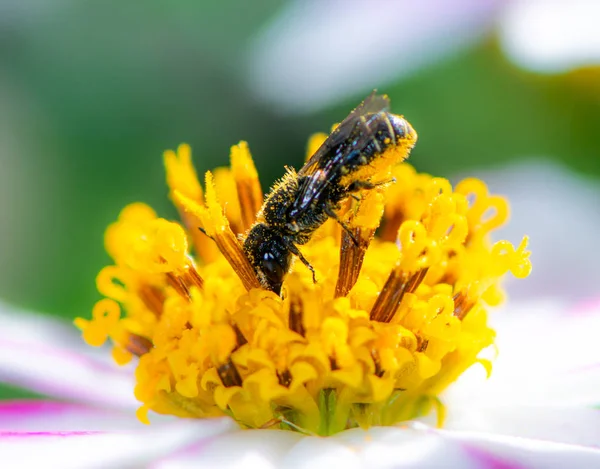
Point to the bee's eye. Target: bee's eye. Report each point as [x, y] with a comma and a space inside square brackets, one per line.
[274, 270]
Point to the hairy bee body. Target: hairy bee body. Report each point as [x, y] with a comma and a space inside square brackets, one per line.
[369, 139]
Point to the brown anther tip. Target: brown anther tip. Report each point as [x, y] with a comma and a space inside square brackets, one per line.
[396, 286]
[285, 378]
[179, 285]
[352, 254]
[296, 315]
[462, 305]
[229, 374]
[138, 345]
[153, 298]
[422, 344]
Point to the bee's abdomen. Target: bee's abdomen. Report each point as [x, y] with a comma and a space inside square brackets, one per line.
[371, 136]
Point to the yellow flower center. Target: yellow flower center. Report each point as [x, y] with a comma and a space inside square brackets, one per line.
[392, 320]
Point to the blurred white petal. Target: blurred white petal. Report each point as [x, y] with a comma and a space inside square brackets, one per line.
[562, 424]
[82, 450]
[558, 209]
[546, 356]
[38, 329]
[552, 36]
[316, 52]
[49, 357]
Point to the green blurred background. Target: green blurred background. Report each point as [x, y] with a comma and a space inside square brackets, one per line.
[92, 93]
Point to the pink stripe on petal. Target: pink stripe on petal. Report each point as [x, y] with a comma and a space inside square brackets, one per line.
[79, 450]
[417, 445]
[587, 307]
[488, 460]
[522, 452]
[49, 356]
[37, 415]
[4, 435]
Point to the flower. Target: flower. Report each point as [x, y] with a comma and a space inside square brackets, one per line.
[391, 321]
[535, 411]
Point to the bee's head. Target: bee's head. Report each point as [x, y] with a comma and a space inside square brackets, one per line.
[269, 256]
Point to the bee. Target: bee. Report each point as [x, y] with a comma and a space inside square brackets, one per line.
[368, 140]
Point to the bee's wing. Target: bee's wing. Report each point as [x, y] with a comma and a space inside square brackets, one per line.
[325, 163]
[372, 104]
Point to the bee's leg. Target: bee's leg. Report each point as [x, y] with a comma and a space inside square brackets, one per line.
[359, 185]
[296, 252]
[330, 211]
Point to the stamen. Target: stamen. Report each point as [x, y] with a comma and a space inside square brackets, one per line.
[422, 343]
[226, 188]
[396, 286]
[239, 337]
[182, 177]
[351, 260]
[365, 222]
[184, 279]
[462, 305]
[389, 229]
[217, 227]
[295, 315]
[179, 285]
[377, 362]
[153, 298]
[229, 374]
[285, 378]
[138, 345]
[248, 186]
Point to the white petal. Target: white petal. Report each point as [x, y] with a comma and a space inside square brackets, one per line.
[547, 356]
[243, 449]
[318, 51]
[49, 357]
[552, 36]
[312, 452]
[565, 424]
[406, 447]
[48, 416]
[99, 450]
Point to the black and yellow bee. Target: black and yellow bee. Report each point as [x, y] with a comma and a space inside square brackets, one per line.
[368, 140]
